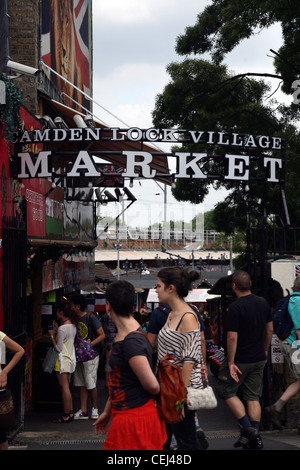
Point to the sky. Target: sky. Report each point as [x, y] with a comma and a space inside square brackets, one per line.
[133, 42]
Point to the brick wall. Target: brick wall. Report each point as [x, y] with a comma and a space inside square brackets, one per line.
[24, 45]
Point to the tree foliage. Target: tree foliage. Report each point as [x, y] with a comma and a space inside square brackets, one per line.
[203, 95]
[225, 23]
[206, 96]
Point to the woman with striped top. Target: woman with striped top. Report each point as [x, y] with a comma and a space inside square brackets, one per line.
[181, 336]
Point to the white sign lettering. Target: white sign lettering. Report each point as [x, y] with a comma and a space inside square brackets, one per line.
[138, 164]
[84, 164]
[149, 135]
[28, 163]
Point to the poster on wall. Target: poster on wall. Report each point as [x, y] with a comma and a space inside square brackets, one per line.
[34, 193]
[66, 48]
[52, 275]
[276, 354]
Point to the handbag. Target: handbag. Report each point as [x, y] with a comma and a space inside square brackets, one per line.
[83, 349]
[172, 394]
[50, 360]
[7, 414]
[201, 398]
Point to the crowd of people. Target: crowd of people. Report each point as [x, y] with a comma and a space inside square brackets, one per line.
[134, 345]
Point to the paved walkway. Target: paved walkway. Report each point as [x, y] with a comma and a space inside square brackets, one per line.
[221, 429]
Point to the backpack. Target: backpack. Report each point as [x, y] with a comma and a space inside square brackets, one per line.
[282, 321]
[172, 395]
[165, 308]
[99, 348]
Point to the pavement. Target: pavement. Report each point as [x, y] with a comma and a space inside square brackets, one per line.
[220, 427]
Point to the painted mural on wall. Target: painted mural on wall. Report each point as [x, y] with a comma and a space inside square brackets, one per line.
[66, 47]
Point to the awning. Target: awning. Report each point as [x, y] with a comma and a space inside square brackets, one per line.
[103, 274]
[159, 162]
[45, 242]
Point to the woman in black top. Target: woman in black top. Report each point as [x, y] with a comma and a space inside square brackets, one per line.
[132, 384]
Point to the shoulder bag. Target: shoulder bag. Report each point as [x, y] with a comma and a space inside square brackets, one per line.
[83, 349]
[201, 398]
[172, 394]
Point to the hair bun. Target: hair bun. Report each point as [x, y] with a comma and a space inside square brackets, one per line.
[191, 274]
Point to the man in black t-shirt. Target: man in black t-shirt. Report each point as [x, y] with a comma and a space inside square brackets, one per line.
[249, 329]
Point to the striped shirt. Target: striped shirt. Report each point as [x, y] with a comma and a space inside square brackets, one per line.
[186, 346]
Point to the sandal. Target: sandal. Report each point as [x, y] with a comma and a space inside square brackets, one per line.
[64, 418]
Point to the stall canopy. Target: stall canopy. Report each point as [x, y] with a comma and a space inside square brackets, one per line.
[195, 295]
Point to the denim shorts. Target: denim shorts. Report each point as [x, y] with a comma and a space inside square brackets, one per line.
[250, 383]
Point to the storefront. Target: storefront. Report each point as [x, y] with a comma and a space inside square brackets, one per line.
[47, 251]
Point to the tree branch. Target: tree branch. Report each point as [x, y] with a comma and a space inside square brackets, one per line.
[241, 76]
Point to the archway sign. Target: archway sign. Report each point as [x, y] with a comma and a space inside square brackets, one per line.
[251, 158]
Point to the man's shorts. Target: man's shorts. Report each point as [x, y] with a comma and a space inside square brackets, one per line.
[250, 383]
[86, 373]
[292, 355]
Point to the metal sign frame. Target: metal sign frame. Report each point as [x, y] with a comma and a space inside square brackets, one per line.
[247, 158]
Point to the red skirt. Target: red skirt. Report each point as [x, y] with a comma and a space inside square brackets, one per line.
[136, 429]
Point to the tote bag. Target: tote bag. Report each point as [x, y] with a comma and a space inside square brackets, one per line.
[50, 360]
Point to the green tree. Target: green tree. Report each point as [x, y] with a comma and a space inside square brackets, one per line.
[209, 223]
[225, 23]
[206, 95]
[193, 100]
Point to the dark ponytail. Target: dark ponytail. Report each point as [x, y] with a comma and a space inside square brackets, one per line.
[182, 279]
[64, 307]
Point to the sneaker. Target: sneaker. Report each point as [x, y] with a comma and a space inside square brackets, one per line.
[249, 439]
[242, 440]
[254, 444]
[202, 438]
[81, 415]
[274, 416]
[95, 413]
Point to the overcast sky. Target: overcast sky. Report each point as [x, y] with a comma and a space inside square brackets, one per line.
[134, 41]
